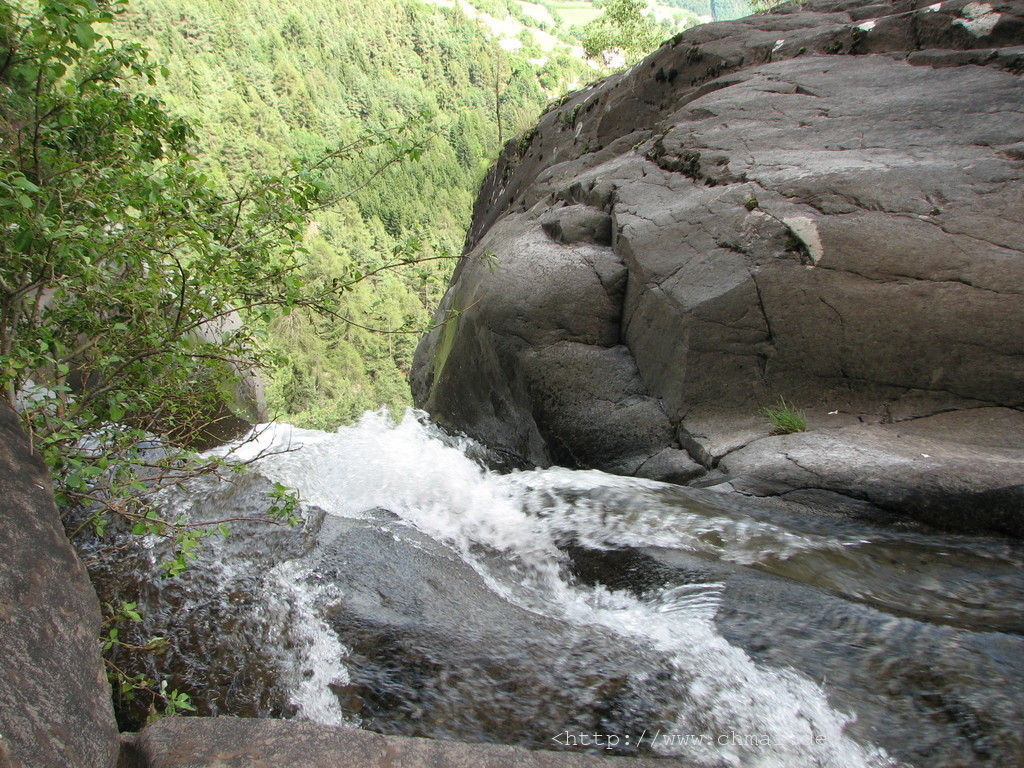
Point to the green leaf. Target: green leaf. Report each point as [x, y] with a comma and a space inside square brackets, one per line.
[85, 34]
[22, 183]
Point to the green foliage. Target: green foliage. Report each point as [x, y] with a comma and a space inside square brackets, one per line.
[284, 505]
[762, 6]
[785, 419]
[130, 686]
[271, 82]
[719, 10]
[579, 12]
[166, 233]
[134, 286]
[622, 26]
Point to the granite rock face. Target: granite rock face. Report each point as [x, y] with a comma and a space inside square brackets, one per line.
[822, 203]
[55, 707]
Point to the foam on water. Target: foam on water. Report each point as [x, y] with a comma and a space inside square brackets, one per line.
[599, 508]
[409, 470]
[735, 712]
[316, 658]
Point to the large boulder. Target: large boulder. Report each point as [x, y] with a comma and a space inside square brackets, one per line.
[823, 203]
[55, 706]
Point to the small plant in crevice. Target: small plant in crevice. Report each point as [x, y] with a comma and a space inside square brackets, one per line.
[784, 418]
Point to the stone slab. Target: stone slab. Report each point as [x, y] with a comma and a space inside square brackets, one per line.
[225, 742]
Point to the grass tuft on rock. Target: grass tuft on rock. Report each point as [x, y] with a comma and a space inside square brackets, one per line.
[785, 419]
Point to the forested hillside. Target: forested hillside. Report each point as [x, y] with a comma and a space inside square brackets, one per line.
[267, 83]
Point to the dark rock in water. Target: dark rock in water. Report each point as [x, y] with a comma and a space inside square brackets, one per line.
[54, 697]
[428, 649]
[238, 743]
[216, 616]
[433, 653]
[512, 609]
[914, 671]
[822, 203]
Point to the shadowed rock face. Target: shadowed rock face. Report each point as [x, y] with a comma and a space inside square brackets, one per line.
[55, 705]
[823, 204]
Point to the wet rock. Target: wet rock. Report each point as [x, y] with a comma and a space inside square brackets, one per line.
[432, 652]
[371, 621]
[909, 681]
[229, 619]
[55, 705]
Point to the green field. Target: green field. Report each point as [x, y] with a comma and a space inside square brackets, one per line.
[575, 13]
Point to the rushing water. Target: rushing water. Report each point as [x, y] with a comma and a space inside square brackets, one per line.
[577, 610]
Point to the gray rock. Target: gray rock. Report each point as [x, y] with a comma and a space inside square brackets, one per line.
[671, 466]
[543, 376]
[428, 647]
[578, 224]
[55, 706]
[238, 743]
[936, 469]
[787, 219]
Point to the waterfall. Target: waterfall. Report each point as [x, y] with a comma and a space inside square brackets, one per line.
[578, 610]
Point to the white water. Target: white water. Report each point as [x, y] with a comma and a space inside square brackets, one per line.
[316, 657]
[735, 713]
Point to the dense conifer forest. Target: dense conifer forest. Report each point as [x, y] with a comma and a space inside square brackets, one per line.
[269, 83]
